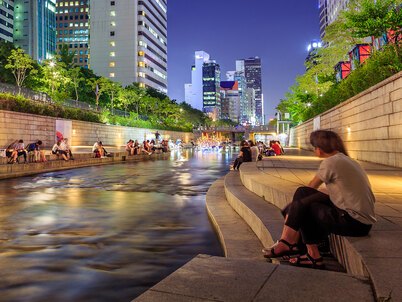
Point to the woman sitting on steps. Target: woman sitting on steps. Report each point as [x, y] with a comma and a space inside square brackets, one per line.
[348, 210]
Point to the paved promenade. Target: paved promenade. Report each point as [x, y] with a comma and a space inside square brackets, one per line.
[244, 207]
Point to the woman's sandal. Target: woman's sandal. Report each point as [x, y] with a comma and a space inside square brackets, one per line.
[292, 251]
[316, 263]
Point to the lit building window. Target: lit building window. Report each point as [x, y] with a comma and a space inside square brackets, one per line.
[112, 54]
[111, 75]
[113, 13]
[112, 23]
[141, 64]
[141, 53]
[142, 85]
[112, 64]
[141, 74]
[112, 43]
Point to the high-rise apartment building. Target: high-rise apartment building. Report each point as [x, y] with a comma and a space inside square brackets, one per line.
[128, 41]
[329, 12]
[6, 20]
[72, 23]
[194, 90]
[211, 78]
[252, 73]
[35, 27]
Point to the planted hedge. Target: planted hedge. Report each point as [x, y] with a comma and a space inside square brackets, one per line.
[20, 104]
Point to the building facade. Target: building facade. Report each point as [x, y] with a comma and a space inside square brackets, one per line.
[6, 20]
[35, 27]
[194, 90]
[329, 12]
[252, 73]
[230, 100]
[211, 78]
[72, 23]
[128, 41]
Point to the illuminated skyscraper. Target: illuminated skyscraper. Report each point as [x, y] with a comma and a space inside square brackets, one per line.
[35, 27]
[72, 23]
[6, 20]
[252, 73]
[128, 41]
[211, 78]
[194, 90]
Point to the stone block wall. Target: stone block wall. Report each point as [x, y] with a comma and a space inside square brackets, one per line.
[85, 134]
[370, 123]
[29, 127]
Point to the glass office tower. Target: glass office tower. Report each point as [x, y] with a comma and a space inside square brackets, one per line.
[35, 27]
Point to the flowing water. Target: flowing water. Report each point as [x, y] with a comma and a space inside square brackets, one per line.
[105, 233]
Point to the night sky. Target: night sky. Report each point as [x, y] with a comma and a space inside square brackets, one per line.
[278, 31]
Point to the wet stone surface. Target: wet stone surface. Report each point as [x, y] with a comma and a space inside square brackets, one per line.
[105, 233]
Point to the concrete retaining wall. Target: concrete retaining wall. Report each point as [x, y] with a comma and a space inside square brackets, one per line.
[29, 127]
[370, 123]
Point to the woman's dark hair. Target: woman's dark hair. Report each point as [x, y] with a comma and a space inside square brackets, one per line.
[243, 143]
[328, 141]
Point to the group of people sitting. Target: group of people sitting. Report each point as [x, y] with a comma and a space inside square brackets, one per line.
[62, 149]
[147, 147]
[32, 151]
[250, 152]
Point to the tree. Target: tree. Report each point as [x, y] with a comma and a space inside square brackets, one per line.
[20, 65]
[65, 56]
[56, 77]
[6, 75]
[112, 89]
[99, 86]
[369, 18]
[76, 78]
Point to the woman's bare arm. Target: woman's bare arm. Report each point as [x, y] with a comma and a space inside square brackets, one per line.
[315, 183]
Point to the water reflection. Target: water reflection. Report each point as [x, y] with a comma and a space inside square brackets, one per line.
[105, 233]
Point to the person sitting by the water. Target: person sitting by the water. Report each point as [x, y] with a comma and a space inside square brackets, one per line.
[34, 150]
[244, 155]
[56, 150]
[99, 150]
[66, 147]
[254, 151]
[347, 210]
[19, 150]
[130, 147]
[146, 147]
[10, 151]
[165, 146]
[137, 147]
[277, 149]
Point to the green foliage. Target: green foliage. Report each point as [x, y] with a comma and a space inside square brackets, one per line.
[368, 18]
[21, 104]
[5, 51]
[380, 66]
[20, 65]
[65, 56]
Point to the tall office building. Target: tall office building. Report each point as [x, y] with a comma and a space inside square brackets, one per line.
[329, 12]
[230, 100]
[252, 73]
[128, 41]
[194, 90]
[72, 23]
[6, 20]
[35, 27]
[211, 78]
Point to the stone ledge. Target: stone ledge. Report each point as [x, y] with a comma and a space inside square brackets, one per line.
[237, 239]
[207, 278]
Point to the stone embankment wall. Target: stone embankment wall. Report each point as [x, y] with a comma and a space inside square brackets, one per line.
[29, 127]
[370, 123]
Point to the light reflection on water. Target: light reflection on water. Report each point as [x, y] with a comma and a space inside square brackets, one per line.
[105, 233]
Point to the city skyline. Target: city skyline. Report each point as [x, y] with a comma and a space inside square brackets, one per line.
[278, 33]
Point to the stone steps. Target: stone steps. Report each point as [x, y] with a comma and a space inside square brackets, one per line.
[376, 257]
